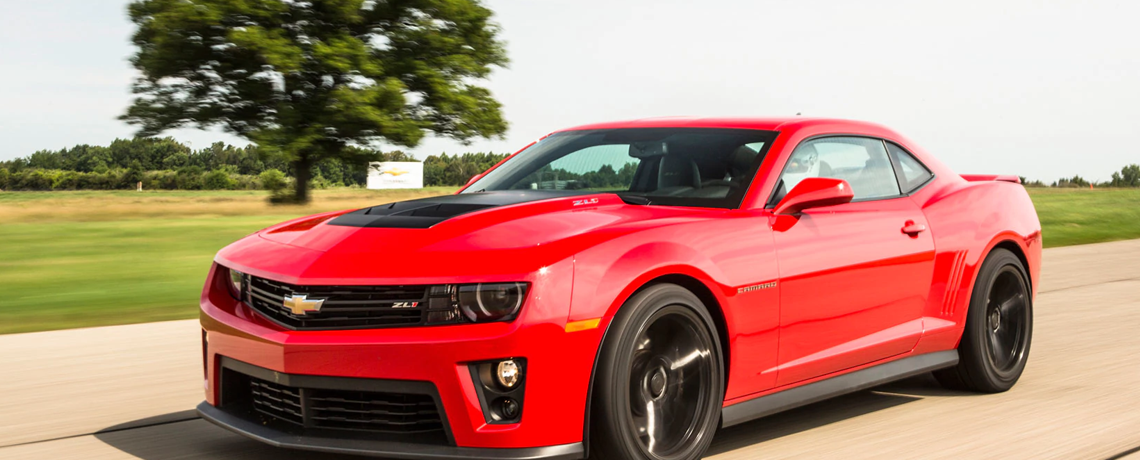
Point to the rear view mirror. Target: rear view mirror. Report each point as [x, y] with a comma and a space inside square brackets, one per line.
[473, 179]
[648, 149]
[815, 192]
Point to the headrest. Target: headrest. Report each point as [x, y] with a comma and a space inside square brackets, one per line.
[678, 171]
[741, 161]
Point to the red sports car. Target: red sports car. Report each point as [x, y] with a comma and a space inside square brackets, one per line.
[620, 291]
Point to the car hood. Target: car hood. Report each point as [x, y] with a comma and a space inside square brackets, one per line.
[496, 235]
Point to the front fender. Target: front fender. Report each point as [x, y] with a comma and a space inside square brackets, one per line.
[602, 285]
[727, 256]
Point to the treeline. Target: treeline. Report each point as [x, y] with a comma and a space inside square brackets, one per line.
[1128, 176]
[605, 178]
[455, 170]
[166, 164]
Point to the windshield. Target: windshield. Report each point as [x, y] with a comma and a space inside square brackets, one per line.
[702, 167]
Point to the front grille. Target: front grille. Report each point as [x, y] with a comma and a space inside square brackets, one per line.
[277, 401]
[345, 410]
[344, 307]
[395, 410]
[358, 410]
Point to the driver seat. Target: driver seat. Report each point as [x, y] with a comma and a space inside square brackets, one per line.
[677, 174]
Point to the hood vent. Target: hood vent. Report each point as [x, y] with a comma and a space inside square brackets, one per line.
[426, 212]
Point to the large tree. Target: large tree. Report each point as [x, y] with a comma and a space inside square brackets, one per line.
[1129, 176]
[305, 79]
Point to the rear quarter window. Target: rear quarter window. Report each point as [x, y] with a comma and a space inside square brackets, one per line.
[912, 173]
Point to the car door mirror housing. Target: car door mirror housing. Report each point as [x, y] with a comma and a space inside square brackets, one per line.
[815, 192]
[474, 178]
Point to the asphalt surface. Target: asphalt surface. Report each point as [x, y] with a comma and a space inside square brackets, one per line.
[128, 391]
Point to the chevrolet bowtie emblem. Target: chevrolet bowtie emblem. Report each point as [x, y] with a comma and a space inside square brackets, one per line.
[300, 305]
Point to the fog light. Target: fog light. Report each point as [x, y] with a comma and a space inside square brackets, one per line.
[507, 373]
[509, 408]
[501, 384]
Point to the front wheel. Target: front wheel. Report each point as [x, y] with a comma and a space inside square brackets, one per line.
[999, 328]
[659, 386]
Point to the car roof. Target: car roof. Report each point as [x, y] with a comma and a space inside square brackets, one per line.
[768, 124]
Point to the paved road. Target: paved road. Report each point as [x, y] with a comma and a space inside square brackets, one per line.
[125, 391]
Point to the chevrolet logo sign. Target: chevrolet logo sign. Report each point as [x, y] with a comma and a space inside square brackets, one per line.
[300, 305]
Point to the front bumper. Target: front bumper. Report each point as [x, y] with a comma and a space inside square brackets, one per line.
[379, 448]
[557, 378]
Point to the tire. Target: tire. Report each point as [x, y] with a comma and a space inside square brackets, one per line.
[999, 328]
[661, 351]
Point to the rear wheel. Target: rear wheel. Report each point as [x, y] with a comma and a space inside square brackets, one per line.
[999, 328]
[659, 385]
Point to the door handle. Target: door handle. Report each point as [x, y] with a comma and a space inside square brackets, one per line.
[913, 229]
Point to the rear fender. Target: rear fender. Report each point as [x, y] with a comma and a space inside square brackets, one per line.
[968, 220]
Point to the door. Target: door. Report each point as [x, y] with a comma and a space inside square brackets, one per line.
[853, 280]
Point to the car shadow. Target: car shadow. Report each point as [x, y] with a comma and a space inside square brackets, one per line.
[827, 412]
[923, 385]
[183, 435]
[174, 436]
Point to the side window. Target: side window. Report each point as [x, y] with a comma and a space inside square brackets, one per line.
[599, 168]
[912, 173]
[860, 161]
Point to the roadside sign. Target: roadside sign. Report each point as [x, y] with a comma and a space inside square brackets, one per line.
[395, 174]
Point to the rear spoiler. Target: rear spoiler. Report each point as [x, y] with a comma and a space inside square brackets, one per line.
[991, 177]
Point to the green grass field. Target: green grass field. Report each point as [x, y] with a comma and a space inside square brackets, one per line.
[79, 259]
[1079, 216]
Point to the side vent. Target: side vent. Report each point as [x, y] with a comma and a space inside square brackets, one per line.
[950, 300]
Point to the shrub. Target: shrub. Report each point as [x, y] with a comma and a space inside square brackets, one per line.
[217, 180]
[246, 182]
[66, 180]
[134, 175]
[190, 178]
[32, 179]
[91, 181]
[4, 176]
[273, 180]
[116, 179]
[320, 183]
[160, 180]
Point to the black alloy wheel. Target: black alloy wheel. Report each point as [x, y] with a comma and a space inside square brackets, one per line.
[999, 327]
[659, 385]
[1007, 323]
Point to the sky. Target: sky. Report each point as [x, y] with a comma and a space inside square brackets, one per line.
[1043, 89]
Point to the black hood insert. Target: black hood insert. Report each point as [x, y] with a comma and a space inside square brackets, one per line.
[426, 212]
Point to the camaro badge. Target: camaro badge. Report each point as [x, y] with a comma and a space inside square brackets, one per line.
[756, 287]
[300, 305]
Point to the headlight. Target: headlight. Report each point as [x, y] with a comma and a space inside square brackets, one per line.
[236, 286]
[490, 302]
[475, 303]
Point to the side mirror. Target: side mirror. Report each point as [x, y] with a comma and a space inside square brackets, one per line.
[815, 192]
[473, 179]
